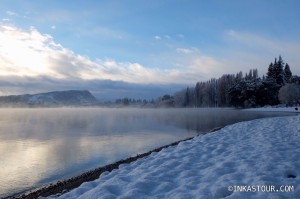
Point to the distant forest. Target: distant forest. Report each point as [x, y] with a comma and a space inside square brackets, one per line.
[278, 86]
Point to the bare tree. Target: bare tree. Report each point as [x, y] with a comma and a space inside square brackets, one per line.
[289, 94]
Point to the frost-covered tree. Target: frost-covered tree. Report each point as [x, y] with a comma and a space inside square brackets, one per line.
[289, 94]
[295, 79]
[213, 87]
[237, 94]
[239, 76]
[224, 84]
[199, 93]
[179, 98]
[243, 94]
[275, 71]
[187, 98]
[238, 90]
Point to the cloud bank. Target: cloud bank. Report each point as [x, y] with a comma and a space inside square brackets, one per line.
[33, 62]
[30, 55]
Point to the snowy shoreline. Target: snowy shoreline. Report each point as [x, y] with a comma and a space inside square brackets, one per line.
[180, 179]
[254, 159]
[275, 109]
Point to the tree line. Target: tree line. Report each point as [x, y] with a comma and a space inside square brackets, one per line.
[278, 86]
[131, 101]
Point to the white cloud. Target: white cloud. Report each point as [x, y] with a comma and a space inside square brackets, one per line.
[22, 53]
[53, 27]
[157, 37]
[10, 13]
[30, 54]
[6, 20]
[199, 67]
[168, 37]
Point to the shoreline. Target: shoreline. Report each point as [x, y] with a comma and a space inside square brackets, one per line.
[261, 155]
[64, 186]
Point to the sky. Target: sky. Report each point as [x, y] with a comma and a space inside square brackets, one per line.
[140, 48]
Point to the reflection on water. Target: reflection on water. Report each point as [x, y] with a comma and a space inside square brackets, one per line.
[39, 146]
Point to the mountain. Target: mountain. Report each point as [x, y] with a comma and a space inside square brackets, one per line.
[50, 99]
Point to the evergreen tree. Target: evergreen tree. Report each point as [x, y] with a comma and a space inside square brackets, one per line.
[287, 73]
[271, 71]
[250, 75]
[255, 73]
[280, 72]
[267, 92]
[237, 94]
[275, 71]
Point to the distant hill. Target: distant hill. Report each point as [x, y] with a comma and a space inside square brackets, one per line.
[50, 99]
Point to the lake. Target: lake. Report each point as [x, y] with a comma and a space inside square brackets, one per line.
[40, 146]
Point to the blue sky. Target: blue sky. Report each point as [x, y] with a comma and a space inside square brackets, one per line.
[161, 44]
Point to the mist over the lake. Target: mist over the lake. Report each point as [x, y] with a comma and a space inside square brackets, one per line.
[43, 145]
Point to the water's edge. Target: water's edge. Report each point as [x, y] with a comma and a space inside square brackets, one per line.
[74, 182]
[69, 183]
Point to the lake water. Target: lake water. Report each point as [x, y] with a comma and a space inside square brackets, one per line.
[40, 146]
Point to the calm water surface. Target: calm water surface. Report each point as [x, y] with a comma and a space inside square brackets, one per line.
[40, 146]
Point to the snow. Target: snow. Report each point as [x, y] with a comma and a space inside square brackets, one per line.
[276, 109]
[258, 159]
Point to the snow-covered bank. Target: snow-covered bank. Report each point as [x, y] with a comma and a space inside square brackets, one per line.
[276, 109]
[255, 159]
